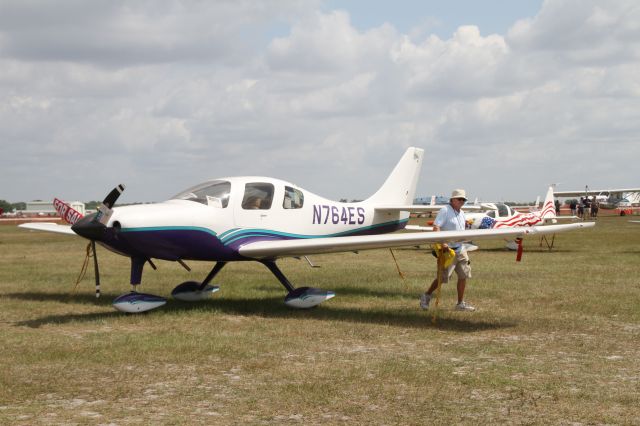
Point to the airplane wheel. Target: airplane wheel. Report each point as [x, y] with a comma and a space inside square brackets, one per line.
[189, 291]
[307, 297]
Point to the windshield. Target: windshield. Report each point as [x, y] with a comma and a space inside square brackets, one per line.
[214, 193]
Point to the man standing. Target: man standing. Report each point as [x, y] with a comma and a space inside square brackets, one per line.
[451, 218]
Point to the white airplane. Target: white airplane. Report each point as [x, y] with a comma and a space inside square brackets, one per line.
[608, 198]
[502, 216]
[260, 219]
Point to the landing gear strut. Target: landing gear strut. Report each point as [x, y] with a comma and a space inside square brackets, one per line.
[302, 297]
[192, 291]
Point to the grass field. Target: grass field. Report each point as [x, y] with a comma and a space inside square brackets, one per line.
[555, 339]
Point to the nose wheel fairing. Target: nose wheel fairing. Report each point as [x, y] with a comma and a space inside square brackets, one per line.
[135, 302]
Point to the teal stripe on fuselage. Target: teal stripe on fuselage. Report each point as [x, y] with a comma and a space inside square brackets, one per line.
[253, 232]
[221, 236]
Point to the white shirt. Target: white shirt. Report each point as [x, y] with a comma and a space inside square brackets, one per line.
[450, 220]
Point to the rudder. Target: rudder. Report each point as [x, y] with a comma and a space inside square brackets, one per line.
[400, 186]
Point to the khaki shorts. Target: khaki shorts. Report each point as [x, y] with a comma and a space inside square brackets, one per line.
[461, 265]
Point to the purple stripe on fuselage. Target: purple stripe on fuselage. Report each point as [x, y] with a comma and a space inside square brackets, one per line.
[173, 244]
[193, 244]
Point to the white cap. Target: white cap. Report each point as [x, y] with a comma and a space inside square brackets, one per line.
[459, 193]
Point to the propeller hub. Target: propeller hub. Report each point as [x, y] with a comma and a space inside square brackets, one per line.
[90, 228]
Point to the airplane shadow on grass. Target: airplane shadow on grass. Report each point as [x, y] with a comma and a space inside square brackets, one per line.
[270, 307]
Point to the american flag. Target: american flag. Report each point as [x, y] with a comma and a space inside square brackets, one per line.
[487, 222]
[527, 219]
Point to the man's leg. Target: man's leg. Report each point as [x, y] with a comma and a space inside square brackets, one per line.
[433, 286]
[462, 284]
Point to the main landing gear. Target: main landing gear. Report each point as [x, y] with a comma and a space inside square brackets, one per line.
[192, 291]
[302, 297]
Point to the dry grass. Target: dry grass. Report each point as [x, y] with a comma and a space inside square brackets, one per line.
[554, 340]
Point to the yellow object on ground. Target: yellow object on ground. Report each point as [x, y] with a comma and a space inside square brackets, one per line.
[445, 259]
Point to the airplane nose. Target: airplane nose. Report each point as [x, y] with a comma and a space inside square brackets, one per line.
[90, 228]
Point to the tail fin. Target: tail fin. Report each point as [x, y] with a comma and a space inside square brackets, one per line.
[400, 186]
[548, 210]
[66, 212]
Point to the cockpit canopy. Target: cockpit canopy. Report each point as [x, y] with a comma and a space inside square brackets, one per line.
[257, 195]
[501, 210]
[213, 193]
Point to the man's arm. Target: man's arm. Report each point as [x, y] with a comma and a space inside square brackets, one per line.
[436, 228]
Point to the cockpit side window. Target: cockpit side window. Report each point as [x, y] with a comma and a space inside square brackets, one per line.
[293, 198]
[214, 194]
[257, 195]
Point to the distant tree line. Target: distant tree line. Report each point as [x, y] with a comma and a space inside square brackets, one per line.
[9, 207]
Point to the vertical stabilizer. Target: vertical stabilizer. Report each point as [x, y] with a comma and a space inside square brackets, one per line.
[549, 207]
[400, 186]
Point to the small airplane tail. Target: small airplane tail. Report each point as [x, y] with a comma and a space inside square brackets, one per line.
[548, 210]
[400, 186]
[66, 212]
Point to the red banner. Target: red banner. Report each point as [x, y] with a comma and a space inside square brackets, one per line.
[66, 212]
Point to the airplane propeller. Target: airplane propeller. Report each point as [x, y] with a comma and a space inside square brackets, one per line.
[94, 226]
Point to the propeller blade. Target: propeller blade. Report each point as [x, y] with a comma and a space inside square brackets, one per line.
[104, 211]
[113, 196]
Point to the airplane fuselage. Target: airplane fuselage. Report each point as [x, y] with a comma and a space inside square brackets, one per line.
[197, 226]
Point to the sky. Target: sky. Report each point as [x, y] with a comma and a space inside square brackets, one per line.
[504, 97]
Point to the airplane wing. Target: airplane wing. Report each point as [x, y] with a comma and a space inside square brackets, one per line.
[420, 208]
[592, 192]
[301, 247]
[48, 227]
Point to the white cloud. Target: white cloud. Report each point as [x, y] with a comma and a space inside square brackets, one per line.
[161, 95]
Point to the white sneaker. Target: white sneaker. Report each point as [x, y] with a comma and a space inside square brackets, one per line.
[464, 306]
[424, 301]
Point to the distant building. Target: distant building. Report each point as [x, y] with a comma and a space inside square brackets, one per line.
[45, 208]
[438, 199]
